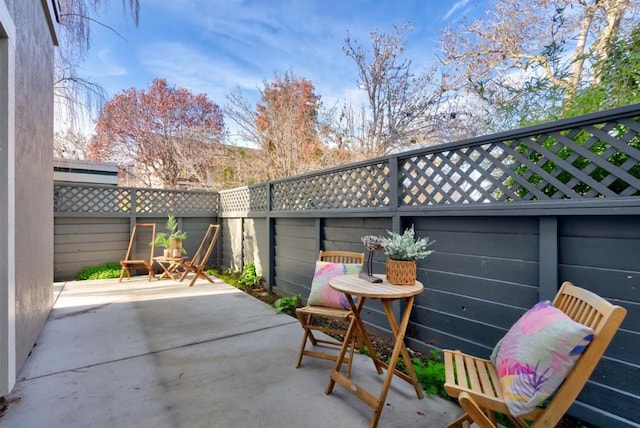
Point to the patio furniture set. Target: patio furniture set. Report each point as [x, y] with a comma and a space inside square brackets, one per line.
[140, 255]
[533, 376]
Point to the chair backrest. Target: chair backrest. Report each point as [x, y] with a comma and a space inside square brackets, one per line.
[604, 318]
[206, 246]
[141, 243]
[341, 257]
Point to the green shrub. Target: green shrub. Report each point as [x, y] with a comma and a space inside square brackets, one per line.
[249, 276]
[287, 305]
[230, 276]
[430, 373]
[104, 271]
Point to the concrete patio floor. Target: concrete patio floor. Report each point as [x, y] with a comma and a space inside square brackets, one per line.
[161, 354]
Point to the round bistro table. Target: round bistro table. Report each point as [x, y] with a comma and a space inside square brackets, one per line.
[353, 286]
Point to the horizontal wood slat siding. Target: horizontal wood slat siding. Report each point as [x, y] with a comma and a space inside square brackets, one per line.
[481, 278]
[91, 241]
[345, 234]
[109, 238]
[294, 255]
[602, 254]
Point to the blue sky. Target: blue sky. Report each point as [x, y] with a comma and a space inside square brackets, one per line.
[219, 46]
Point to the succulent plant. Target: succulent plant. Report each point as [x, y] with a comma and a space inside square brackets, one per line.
[406, 246]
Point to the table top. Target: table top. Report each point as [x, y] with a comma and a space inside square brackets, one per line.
[168, 259]
[355, 286]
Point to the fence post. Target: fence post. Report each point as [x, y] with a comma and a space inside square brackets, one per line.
[548, 266]
[396, 221]
[394, 193]
[271, 241]
[134, 208]
[318, 233]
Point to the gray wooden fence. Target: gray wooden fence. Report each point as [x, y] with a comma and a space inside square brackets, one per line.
[514, 214]
[92, 223]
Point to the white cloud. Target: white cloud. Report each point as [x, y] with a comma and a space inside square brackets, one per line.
[191, 68]
[456, 6]
[106, 65]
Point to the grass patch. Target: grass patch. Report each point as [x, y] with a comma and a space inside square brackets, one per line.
[104, 271]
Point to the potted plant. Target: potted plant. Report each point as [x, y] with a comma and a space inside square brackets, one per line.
[172, 241]
[402, 252]
[162, 241]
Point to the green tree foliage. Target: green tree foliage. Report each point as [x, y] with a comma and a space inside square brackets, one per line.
[524, 61]
[618, 78]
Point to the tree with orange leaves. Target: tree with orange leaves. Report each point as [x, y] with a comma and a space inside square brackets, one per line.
[165, 131]
[283, 126]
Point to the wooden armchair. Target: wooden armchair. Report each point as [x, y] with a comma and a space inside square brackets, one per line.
[475, 382]
[140, 251]
[199, 260]
[313, 318]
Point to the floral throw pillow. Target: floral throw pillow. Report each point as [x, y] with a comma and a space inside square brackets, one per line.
[321, 293]
[536, 354]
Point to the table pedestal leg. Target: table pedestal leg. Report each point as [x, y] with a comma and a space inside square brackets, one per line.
[398, 347]
[377, 403]
[356, 323]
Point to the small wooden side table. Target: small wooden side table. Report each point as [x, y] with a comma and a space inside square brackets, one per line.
[353, 286]
[169, 265]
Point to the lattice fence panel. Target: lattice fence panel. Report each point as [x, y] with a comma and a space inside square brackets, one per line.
[117, 200]
[258, 199]
[236, 200]
[359, 187]
[592, 161]
[152, 201]
[81, 199]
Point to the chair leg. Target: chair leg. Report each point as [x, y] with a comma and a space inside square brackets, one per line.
[474, 411]
[204, 275]
[122, 271]
[463, 421]
[193, 280]
[302, 346]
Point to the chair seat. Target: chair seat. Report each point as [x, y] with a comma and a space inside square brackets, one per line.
[466, 376]
[343, 314]
[465, 373]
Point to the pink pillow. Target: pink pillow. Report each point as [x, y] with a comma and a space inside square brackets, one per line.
[321, 293]
[536, 354]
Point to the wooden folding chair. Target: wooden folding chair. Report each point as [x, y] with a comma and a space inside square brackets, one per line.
[312, 318]
[475, 383]
[198, 262]
[140, 251]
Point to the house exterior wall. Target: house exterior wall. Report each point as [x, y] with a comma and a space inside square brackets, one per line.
[28, 243]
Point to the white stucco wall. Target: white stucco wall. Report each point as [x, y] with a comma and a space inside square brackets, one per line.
[27, 194]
